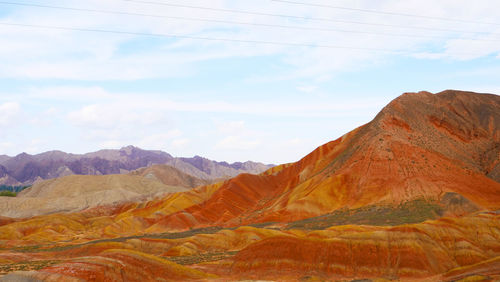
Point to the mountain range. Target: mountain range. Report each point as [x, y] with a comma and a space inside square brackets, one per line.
[26, 169]
[414, 195]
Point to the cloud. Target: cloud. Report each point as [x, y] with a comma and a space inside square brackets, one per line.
[237, 143]
[35, 145]
[133, 108]
[307, 89]
[68, 54]
[112, 144]
[160, 140]
[461, 49]
[9, 114]
[6, 146]
[478, 72]
[231, 127]
[180, 143]
[295, 142]
[114, 115]
[70, 93]
[146, 140]
[236, 136]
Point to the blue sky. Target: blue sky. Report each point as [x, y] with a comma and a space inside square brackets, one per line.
[82, 91]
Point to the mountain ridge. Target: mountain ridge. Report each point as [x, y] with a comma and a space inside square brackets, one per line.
[351, 172]
[25, 169]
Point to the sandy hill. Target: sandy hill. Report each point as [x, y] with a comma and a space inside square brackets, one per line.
[414, 194]
[78, 192]
[170, 176]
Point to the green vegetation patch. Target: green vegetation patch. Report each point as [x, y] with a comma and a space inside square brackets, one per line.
[15, 189]
[415, 211]
[7, 194]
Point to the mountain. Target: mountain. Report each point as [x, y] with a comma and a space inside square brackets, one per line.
[223, 169]
[25, 169]
[421, 146]
[414, 194]
[3, 158]
[170, 176]
[79, 192]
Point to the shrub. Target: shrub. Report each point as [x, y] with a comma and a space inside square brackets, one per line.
[7, 194]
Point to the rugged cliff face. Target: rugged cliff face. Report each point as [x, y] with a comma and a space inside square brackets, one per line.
[413, 194]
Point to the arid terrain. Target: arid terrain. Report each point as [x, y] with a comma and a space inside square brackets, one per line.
[412, 195]
[25, 169]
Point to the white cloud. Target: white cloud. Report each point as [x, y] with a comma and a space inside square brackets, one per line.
[231, 127]
[468, 49]
[102, 56]
[112, 144]
[51, 111]
[9, 113]
[307, 88]
[492, 89]
[115, 115]
[237, 143]
[69, 93]
[159, 141]
[481, 72]
[295, 142]
[180, 143]
[5, 147]
[35, 145]
[236, 136]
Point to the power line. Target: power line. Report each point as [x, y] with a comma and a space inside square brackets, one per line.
[204, 38]
[303, 17]
[292, 44]
[383, 12]
[237, 22]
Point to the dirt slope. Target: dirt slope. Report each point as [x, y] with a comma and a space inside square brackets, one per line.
[169, 175]
[79, 192]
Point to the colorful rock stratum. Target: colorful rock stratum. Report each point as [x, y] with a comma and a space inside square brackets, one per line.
[412, 195]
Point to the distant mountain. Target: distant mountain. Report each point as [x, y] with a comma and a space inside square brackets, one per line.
[26, 169]
[212, 169]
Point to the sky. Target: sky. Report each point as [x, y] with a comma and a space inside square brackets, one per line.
[230, 80]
